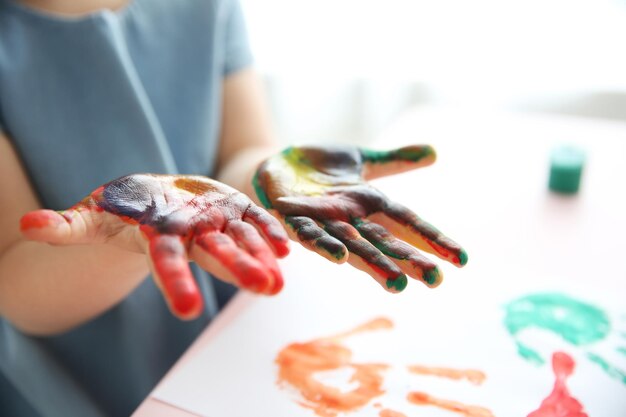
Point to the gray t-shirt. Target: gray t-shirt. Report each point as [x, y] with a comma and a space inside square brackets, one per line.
[84, 101]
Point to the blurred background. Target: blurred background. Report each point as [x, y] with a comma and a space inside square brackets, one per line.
[342, 70]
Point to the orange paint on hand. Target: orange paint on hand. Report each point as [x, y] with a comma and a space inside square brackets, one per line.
[300, 362]
[560, 402]
[421, 398]
[474, 376]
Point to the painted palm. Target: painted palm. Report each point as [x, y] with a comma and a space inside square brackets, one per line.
[323, 197]
[174, 219]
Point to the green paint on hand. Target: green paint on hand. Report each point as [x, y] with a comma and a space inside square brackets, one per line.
[574, 321]
[608, 368]
[295, 156]
[398, 283]
[260, 192]
[340, 254]
[409, 153]
[432, 277]
[621, 349]
[462, 257]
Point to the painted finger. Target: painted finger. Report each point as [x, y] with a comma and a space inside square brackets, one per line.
[61, 228]
[270, 228]
[319, 207]
[316, 239]
[366, 257]
[412, 262]
[378, 164]
[168, 259]
[218, 254]
[407, 226]
[247, 237]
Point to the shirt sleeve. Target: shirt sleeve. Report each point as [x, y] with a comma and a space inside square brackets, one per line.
[237, 48]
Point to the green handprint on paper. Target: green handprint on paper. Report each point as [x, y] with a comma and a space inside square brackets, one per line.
[576, 322]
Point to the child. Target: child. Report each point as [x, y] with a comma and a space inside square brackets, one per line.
[96, 90]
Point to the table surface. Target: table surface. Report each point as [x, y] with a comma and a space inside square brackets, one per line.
[489, 187]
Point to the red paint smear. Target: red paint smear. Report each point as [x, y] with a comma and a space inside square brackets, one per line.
[299, 362]
[560, 403]
[421, 398]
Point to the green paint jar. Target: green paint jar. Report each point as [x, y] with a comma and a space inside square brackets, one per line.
[566, 167]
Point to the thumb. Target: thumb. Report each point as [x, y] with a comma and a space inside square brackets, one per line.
[378, 164]
[61, 228]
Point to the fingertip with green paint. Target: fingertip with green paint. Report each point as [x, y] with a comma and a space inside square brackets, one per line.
[399, 283]
[425, 153]
[415, 153]
[432, 277]
[462, 257]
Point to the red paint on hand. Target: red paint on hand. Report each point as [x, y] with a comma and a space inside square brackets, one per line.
[323, 195]
[252, 274]
[40, 219]
[171, 267]
[176, 214]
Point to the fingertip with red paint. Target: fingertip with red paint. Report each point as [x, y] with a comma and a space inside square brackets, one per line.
[187, 305]
[276, 288]
[259, 279]
[281, 246]
[171, 268]
[40, 219]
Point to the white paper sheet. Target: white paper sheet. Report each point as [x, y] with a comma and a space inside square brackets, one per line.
[458, 325]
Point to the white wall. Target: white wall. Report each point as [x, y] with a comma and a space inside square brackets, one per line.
[342, 69]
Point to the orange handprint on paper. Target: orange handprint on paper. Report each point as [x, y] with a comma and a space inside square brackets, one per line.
[299, 363]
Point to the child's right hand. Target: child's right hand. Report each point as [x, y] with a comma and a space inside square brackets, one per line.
[174, 219]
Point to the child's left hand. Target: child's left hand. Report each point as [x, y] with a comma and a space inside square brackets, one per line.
[323, 197]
